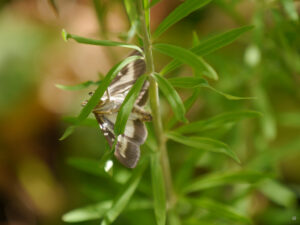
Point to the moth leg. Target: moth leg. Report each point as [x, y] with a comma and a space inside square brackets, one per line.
[108, 95]
[141, 114]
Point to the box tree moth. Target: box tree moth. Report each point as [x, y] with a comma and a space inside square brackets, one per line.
[127, 148]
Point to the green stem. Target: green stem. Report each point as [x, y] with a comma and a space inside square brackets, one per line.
[154, 103]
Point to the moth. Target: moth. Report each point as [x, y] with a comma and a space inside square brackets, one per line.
[127, 149]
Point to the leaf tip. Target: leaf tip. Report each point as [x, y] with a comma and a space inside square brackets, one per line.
[65, 35]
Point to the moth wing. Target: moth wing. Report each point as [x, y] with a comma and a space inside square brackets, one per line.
[123, 82]
[107, 128]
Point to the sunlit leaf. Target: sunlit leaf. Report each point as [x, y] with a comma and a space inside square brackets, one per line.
[220, 210]
[77, 86]
[125, 195]
[89, 41]
[188, 57]
[224, 178]
[172, 97]
[210, 45]
[204, 144]
[128, 104]
[217, 121]
[290, 8]
[179, 13]
[158, 186]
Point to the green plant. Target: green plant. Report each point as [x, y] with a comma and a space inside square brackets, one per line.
[181, 198]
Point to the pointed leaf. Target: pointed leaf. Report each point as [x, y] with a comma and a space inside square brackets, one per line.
[220, 179]
[220, 210]
[179, 13]
[77, 86]
[125, 195]
[188, 57]
[158, 186]
[203, 143]
[217, 121]
[172, 97]
[89, 41]
[187, 82]
[210, 45]
[128, 104]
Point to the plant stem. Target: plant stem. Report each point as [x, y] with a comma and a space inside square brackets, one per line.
[154, 103]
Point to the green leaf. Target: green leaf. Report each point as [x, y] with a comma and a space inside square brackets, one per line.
[179, 13]
[77, 86]
[217, 121]
[91, 166]
[89, 122]
[188, 57]
[128, 104]
[290, 9]
[158, 186]
[271, 189]
[220, 210]
[187, 82]
[172, 97]
[153, 3]
[125, 195]
[210, 45]
[203, 143]
[84, 40]
[93, 101]
[91, 212]
[67, 133]
[220, 179]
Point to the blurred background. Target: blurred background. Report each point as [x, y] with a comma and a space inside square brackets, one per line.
[39, 176]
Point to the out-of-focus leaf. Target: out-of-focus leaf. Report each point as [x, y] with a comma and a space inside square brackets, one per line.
[196, 40]
[205, 144]
[153, 3]
[187, 82]
[210, 45]
[90, 166]
[278, 193]
[125, 195]
[219, 179]
[172, 97]
[188, 57]
[54, 6]
[77, 86]
[158, 186]
[127, 105]
[93, 101]
[179, 13]
[96, 211]
[220, 209]
[90, 122]
[87, 213]
[279, 216]
[290, 9]
[290, 119]
[217, 121]
[89, 41]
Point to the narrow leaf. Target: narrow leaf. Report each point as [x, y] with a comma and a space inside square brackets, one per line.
[203, 143]
[67, 133]
[271, 189]
[158, 186]
[99, 93]
[188, 57]
[125, 195]
[221, 210]
[217, 121]
[84, 40]
[87, 213]
[172, 97]
[210, 45]
[290, 8]
[153, 3]
[187, 82]
[77, 86]
[179, 13]
[54, 6]
[128, 104]
[220, 179]
[89, 122]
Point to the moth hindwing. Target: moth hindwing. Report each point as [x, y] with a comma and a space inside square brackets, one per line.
[127, 148]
